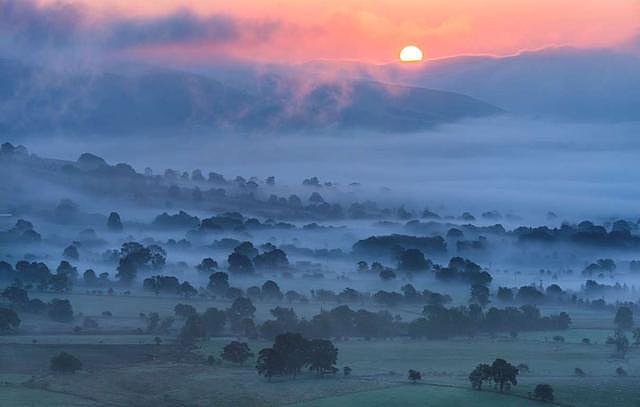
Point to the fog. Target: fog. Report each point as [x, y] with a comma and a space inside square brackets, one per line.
[511, 164]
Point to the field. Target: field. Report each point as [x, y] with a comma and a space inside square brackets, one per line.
[166, 375]
[420, 395]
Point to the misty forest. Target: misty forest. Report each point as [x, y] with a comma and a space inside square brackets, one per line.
[232, 230]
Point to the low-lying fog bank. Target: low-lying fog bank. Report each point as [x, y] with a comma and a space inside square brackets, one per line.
[514, 165]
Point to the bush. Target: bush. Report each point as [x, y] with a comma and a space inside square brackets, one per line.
[543, 392]
[414, 375]
[60, 310]
[236, 352]
[65, 363]
[8, 320]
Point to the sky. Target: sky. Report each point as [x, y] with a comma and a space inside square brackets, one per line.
[297, 31]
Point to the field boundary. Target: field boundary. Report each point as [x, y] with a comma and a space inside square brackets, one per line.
[429, 384]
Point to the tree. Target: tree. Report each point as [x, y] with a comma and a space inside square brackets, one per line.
[579, 372]
[621, 342]
[288, 355]
[89, 323]
[114, 223]
[543, 392]
[71, 252]
[346, 371]
[239, 263]
[187, 290]
[636, 336]
[236, 352]
[214, 320]
[89, 277]
[479, 375]
[504, 294]
[219, 282]
[184, 310]
[153, 319]
[413, 260]
[624, 318]
[65, 275]
[207, 265]
[9, 320]
[269, 363]
[192, 330]
[241, 308]
[271, 260]
[246, 249]
[60, 310]
[387, 274]
[134, 256]
[480, 294]
[295, 350]
[323, 355]
[65, 363]
[414, 375]
[271, 292]
[16, 296]
[503, 372]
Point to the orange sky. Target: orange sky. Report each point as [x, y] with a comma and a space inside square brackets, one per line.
[375, 30]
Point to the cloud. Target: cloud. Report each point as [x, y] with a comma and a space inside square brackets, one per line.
[184, 27]
[27, 23]
[27, 27]
[179, 27]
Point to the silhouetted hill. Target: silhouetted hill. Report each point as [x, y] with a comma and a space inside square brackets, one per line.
[35, 100]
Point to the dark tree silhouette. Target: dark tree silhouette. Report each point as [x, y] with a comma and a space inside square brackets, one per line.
[65, 363]
[295, 350]
[322, 356]
[71, 252]
[543, 392]
[192, 330]
[207, 265]
[271, 260]
[414, 375]
[184, 310]
[16, 296]
[236, 352]
[239, 263]
[114, 223]
[291, 352]
[624, 318]
[503, 372]
[413, 260]
[9, 320]
[387, 274]
[89, 277]
[219, 282]
[214, 320]
[346, 371]
[480, 294]
[60, 310]
[270, 363]
[620, 341]
[271, 292]
[241, 309]
[504, 294]
[479, 375]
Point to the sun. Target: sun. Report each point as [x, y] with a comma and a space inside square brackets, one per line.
[411, 53]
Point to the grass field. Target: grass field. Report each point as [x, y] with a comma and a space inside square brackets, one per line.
[420, 395]
[21, 397]
[122, 368]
